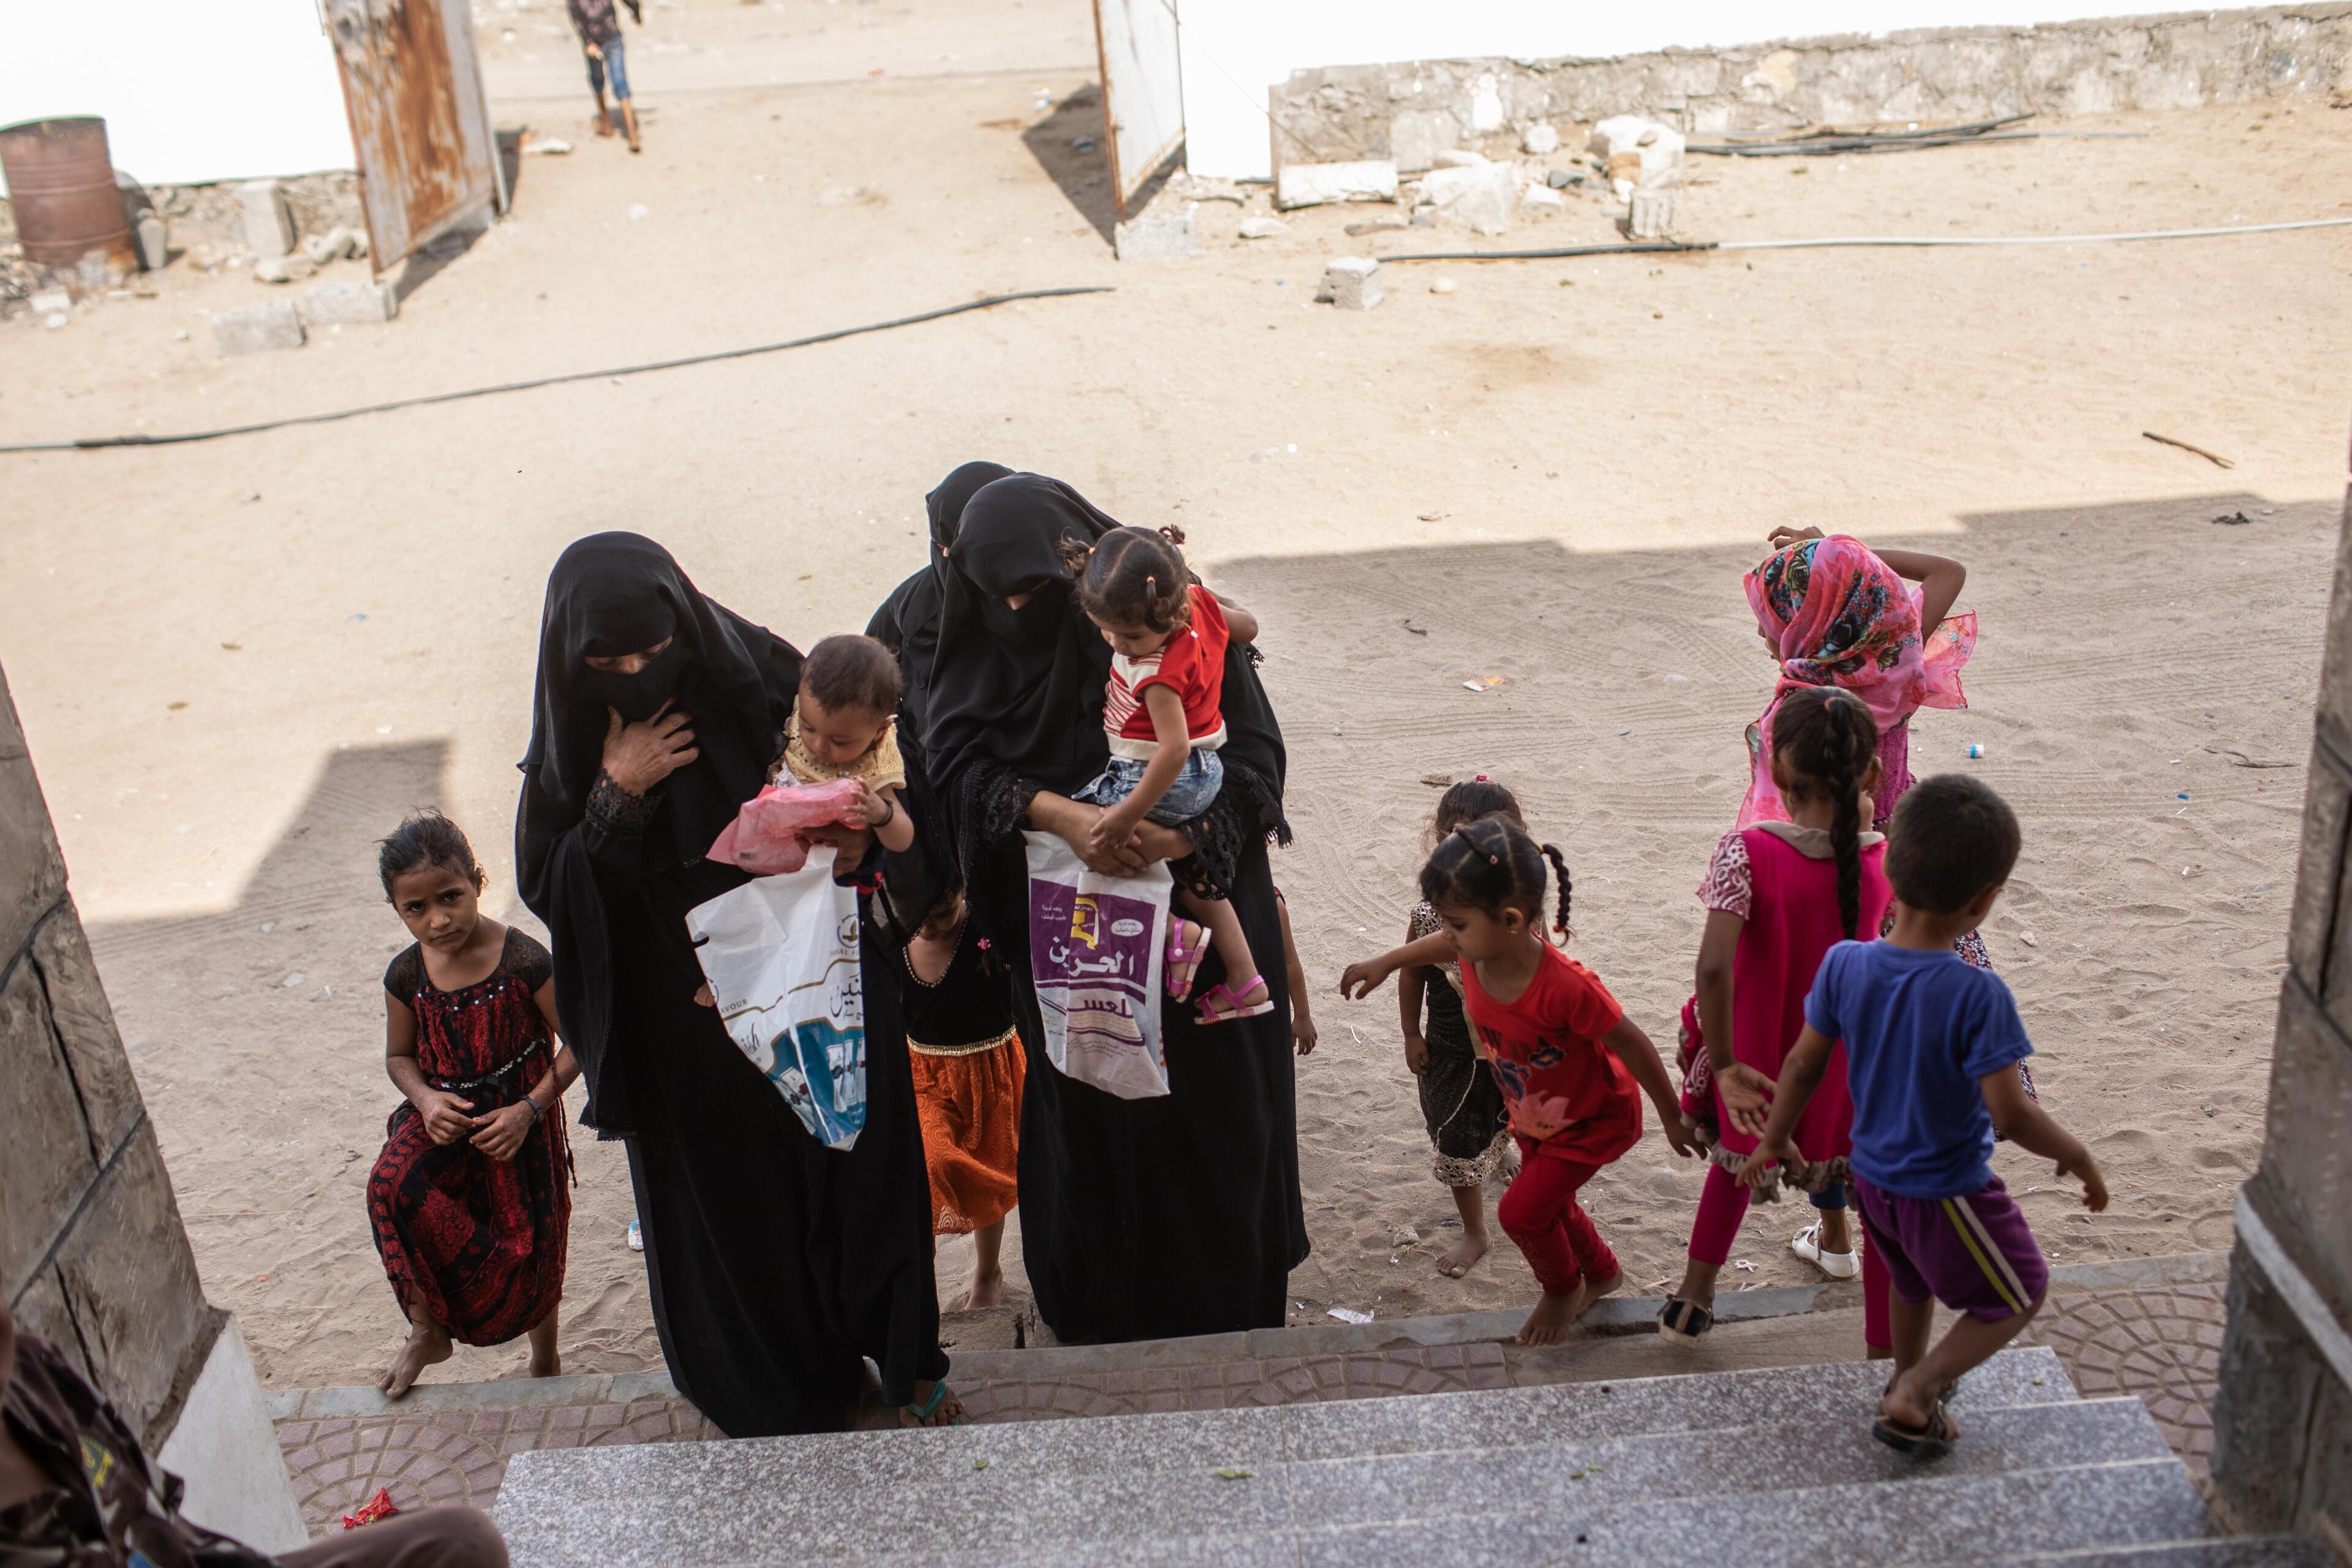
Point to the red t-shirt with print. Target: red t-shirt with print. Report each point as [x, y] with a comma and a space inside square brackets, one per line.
[1192, 664]
[1565, 1090]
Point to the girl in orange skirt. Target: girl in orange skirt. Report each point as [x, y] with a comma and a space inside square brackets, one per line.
[969, 1067]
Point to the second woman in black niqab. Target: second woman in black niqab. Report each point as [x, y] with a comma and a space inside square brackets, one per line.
[776, 1266]
[1173, 1215]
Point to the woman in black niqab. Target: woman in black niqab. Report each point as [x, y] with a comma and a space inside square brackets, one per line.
[1139, 1219]
[908, 621]
[776, 1266]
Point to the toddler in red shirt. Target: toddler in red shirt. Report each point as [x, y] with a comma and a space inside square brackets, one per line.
[1565, 1056]
[1168, 636]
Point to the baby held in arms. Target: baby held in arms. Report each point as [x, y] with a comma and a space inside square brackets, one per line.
[844, 727]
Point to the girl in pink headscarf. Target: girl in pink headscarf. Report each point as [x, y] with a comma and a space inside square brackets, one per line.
[1836, 612]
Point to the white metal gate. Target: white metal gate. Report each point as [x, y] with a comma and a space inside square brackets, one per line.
[1144, 90]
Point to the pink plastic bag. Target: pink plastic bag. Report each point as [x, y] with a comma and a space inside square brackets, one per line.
[766, 836]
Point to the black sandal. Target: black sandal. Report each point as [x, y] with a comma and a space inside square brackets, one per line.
[1684, 1322]
[1932, 1441]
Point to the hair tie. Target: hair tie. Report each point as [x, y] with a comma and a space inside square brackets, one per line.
[1494, 859]
[1480, 778]
[1151, 583]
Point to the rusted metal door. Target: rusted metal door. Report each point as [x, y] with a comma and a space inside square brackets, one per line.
[1144, 90]
[412, 85]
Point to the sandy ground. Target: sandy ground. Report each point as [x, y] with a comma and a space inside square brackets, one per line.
[238, 663]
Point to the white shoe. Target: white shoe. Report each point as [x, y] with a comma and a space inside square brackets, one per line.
[1836, 1265]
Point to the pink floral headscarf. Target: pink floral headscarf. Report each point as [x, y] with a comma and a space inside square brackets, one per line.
[1838, 616]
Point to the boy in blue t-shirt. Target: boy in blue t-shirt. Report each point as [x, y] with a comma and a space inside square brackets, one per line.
[1931, 1047]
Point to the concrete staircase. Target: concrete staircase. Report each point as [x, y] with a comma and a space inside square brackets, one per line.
[1762, 1469]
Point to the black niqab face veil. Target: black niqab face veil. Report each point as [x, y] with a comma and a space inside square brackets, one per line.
[613, 594]
[1024, 686]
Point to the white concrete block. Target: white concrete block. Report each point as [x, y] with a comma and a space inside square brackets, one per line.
[1313, 184]
[1653, 214]
[268, 221]
[277, 325]
[1480, 197]
[1352, 283]
[1164, 238]
[225, 1450]
[349, 304]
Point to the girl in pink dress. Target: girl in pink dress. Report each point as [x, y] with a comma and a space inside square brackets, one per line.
[1779, 893]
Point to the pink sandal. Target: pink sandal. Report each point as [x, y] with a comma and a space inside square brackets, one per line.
[1223, 1003]
[1187, 960]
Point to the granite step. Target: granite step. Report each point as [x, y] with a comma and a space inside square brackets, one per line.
[1045, 1508]
[1231, 1476]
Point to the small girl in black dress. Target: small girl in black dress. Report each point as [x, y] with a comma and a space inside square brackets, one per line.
[468, 1201]
[1460, 1103]
[969, 1067]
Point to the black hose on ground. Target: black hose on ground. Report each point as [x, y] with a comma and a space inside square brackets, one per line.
[93, 443]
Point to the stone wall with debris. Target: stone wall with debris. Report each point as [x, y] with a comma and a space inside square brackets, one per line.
[92, 1253]
[1412, 110]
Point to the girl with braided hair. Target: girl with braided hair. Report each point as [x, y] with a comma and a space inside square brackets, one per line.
[1779, 895]
[1565, 1057]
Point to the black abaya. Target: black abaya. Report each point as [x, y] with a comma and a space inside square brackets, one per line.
[1139, 1219]
[776, 1265]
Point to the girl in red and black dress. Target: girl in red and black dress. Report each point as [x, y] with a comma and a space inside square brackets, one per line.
[468, 1200]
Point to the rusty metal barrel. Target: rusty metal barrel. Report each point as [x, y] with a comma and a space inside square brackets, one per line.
[61, 188]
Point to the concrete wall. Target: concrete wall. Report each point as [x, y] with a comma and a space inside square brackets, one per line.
[190, 92]
[1267, 84]
[92, 1253]
[2283, 1423]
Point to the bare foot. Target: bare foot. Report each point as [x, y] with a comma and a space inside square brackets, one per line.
[949, 1411]
[548, 1363]
[1554, 1315]
[987, 1290]
[1456, 1259]
[426, 1345]
[1596, 1289]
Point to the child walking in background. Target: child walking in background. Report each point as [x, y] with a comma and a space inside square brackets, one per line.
[1931, 1049]
[1461, 1105]
[600, 41]
[1567, 1057]
[1779, 895]
[1162, 710]
[968, 1068]
[468, 1202]
[844, 727]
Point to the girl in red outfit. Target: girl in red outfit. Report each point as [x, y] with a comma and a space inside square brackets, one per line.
[468, 1200]
[1779, 894]
[1162, 708]
[1565, 1055]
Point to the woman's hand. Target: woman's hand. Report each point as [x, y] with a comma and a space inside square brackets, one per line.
[1416, 1053]
[1072, 822]
[447, 1116]
[639, 756]
[1782, 537]
[504, 1129]
[1155, 842]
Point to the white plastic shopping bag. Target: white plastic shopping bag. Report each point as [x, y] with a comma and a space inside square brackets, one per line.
[780, 954]
[1097, 947]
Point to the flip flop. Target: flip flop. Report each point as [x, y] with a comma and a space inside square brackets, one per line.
[1188, 959]
[1684, 1322]
[924, 1412]
[1223, 1003]
[1932, 1441]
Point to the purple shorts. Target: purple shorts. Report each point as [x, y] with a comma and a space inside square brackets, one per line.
[1974, 1254]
